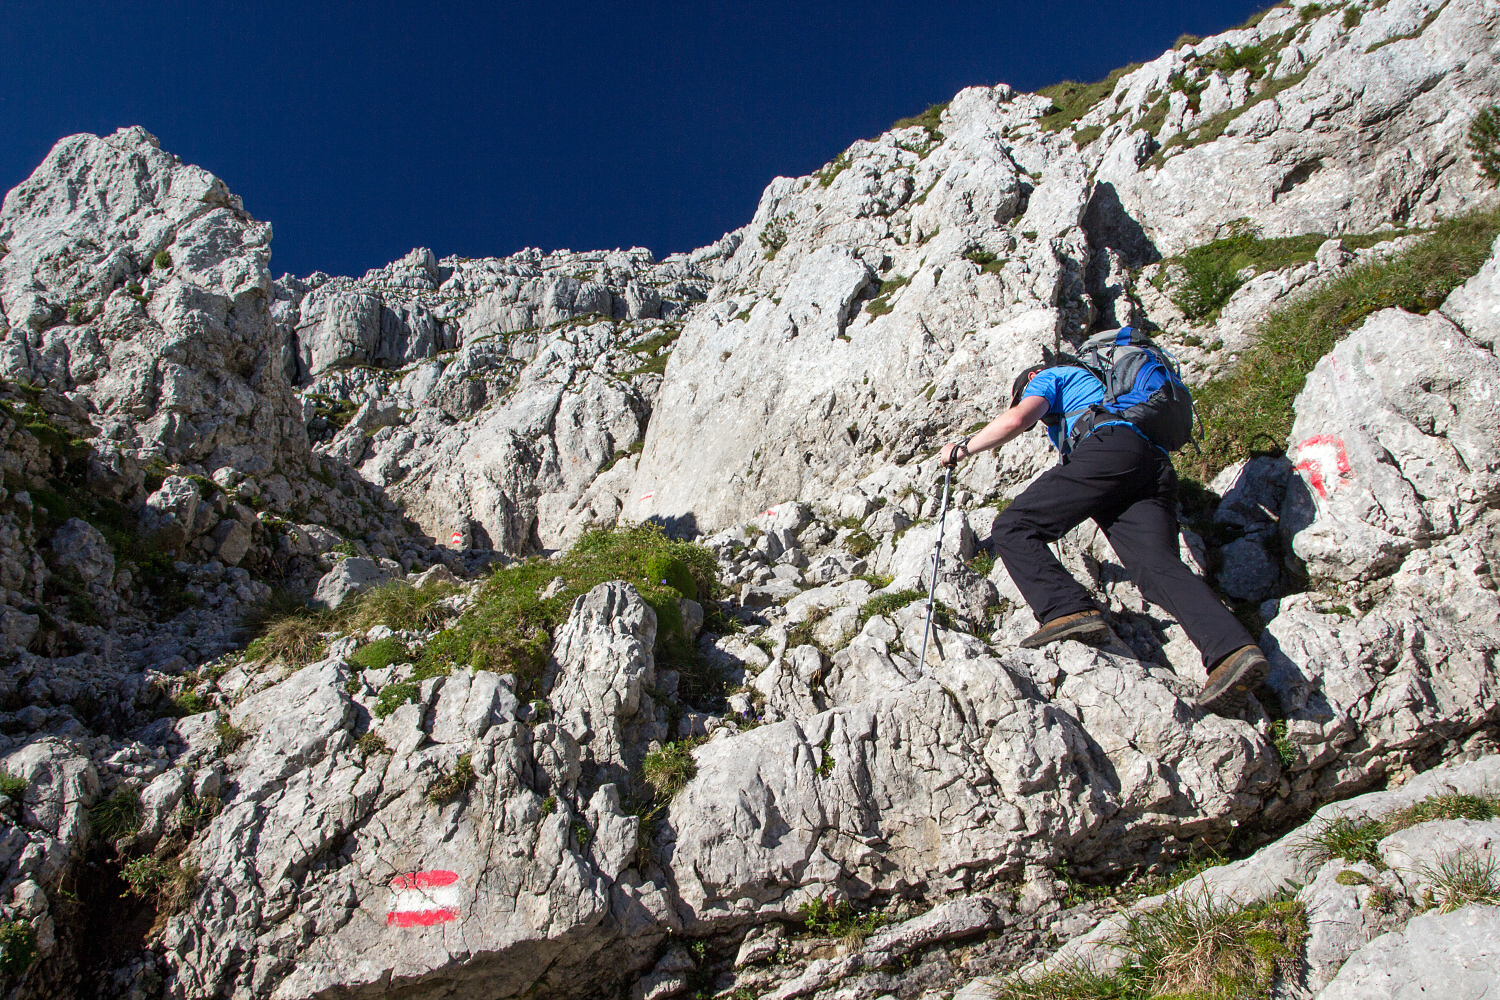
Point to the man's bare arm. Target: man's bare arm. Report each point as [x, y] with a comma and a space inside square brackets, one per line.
[1002, 430]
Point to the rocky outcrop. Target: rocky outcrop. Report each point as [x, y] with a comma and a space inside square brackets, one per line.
[1372, 923]
[895, 293]
[140, 283]
[179, 433]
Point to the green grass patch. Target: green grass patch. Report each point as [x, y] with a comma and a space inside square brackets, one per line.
[1214, 127]
[509, 629]
[337, 412]
[290, 631]
[930, 120]
[381, 654]
[886, 604]
[1072, 100]
[17, 947]
[1187, 949]
[860, 544]
[832, 170]
[773, 237]
[1083, 136]
[393, 696]
[1358, 839]
[1210, 273]
[1249, 410]
[668, 770]
[880, 305]
[188, 703]
[12, 786]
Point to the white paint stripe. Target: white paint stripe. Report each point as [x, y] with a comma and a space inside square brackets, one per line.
[444, 897]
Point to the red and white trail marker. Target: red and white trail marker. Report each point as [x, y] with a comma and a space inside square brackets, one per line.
[458, 538]
[645, 496]
[422, 899]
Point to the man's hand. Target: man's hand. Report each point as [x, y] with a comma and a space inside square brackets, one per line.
[947, 458]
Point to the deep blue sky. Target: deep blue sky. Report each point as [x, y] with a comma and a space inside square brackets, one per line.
[363, 129]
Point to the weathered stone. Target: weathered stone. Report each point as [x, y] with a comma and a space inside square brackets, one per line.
[353, 575]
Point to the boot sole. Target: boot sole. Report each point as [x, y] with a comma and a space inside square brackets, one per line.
[1091, 633]
[1236, 688]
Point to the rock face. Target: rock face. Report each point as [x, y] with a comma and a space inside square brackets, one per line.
[1368, 934]
[179, 433]
[899, 289]
[1449, 954]
[490, 852]
[508, 384]
[141, 283]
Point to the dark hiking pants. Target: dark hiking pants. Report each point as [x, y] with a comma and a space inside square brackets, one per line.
[1129, 488]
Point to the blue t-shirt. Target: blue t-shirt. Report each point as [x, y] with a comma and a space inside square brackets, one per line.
[1072, 390]
[1066, 390]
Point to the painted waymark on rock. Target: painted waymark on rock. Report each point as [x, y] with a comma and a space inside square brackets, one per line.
[1317, 456]
[422, 899]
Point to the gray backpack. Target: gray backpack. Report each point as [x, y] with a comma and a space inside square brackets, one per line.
[1142, 384]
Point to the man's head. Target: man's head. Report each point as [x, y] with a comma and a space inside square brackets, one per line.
[1019, 385]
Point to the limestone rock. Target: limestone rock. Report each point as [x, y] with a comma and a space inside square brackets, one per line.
[80, 547]
[353, 575]
[1439, 954]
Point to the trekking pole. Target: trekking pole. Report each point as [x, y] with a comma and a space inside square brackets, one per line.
[937, 561]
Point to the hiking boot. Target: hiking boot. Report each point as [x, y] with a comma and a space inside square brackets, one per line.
[1233, 679]
[1085, 626]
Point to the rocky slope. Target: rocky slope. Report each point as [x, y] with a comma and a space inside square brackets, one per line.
[556, 782]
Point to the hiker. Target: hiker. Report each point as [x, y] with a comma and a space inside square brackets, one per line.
[1112, 413]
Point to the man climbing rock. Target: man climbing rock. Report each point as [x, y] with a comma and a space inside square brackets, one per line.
[1115, 468]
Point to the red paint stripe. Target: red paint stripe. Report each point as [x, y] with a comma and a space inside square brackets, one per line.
[420, 918]
[1314, 477]
[424, 880]
[1338, 445]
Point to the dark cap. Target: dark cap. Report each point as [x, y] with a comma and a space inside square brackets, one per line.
[1019, 386]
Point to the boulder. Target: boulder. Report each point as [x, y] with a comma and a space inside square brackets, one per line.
[80, 547]
[349, 576]
[1446, 955]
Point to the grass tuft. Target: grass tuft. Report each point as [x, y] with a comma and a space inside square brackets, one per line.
[12, 786]
[451, 784]
[668, 770]
[168, 885]
[1459, 878]
[1359, 839]
[231, 737]
[118, 816]
[838, 919]
[1192, 947]
[1249, 410]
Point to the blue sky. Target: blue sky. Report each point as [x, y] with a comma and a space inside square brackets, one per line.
[360, 130]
